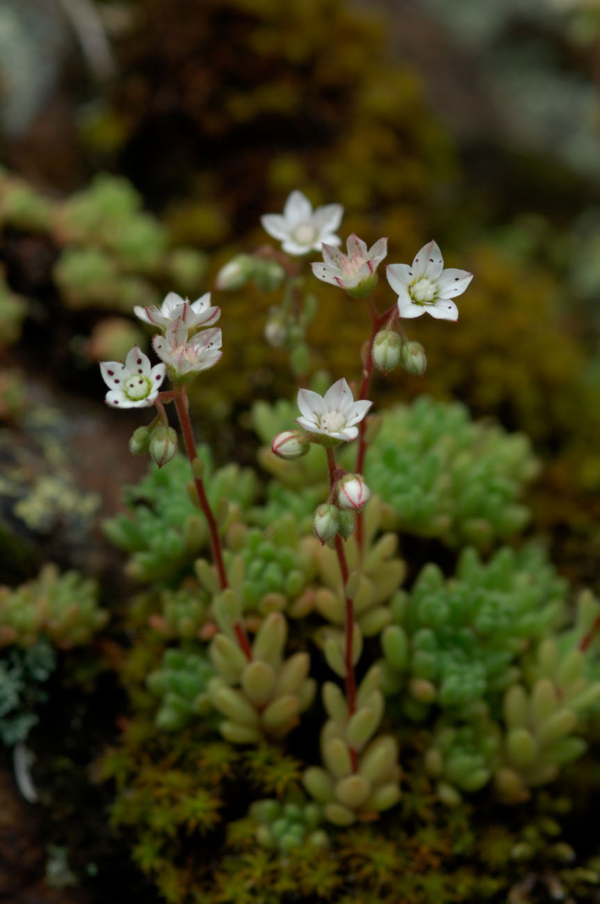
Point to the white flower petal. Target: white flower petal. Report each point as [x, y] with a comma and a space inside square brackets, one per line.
[112, 372]
[172, 300]
[116, 398]
[378, 252]
[208, 339]
[339, 397]
[203, 318]
[356, 247]
[201, 304]
[327, 237]
[275, 225]
[331, 254]
[311, 404]
[453, 282]
[434, 263]
[208, 358]
[157, 375]
[297, 208]
[408, 308]
[347, 434]
[358, 412]
[143, 314]
[309, 425]
[137, 362]
[290, 246]
[400, 276]
[419, 265]
[326, 274]
[443, 309]
[328, 218]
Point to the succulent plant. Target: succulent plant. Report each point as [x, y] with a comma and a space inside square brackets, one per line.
[443, 475]
[361, 776]
[181, 682]
[61, 608]
[262, 696]
[166, 531]
[289, 824]
[271, 569]
[456, 643]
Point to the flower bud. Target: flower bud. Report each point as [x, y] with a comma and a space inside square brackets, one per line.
[236, 273]
[352, 492]
[163, 444]
[387, 350]
[276, 329]
[413, 358]
[345, 523]
[290, 445]
[326, 522]
[139, 444]
[268, 275]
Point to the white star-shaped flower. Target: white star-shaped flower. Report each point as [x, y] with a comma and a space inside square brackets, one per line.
[134, 384]
[184, 357]
[174, 307]
[301, 229]
[355, 271]
[426, 287]
[335, 414]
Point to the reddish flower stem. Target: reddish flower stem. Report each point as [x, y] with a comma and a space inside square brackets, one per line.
[377, 321]
[181, 404]
[350, 680]
[588, 638]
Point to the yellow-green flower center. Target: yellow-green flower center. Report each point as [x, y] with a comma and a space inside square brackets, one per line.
[137, 387]
[423, 290]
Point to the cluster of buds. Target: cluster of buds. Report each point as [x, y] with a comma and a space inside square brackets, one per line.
[390, 349]
[361, 774]
[288, 825]
[260, 696]
[157, 440]
[351, 494]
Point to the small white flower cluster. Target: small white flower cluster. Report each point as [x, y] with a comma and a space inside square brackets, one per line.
[423, 288]
[136, 384]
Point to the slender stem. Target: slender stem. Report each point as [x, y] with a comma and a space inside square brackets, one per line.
[586, 641]
[181, 405]
[350, 680]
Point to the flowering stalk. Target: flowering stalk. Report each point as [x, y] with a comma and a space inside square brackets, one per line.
[181, 404]
[350, 680]
[377, 322]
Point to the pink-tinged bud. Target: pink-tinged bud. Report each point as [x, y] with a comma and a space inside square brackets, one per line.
[163, 445]
[352, 492]
[413, 359]
[387, 350]
[325, 522]
[290, 445]
[346, 523]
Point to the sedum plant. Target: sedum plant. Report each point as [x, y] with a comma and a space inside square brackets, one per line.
[258, 601]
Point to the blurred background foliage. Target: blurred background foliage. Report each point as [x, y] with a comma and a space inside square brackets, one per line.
[141, 140]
